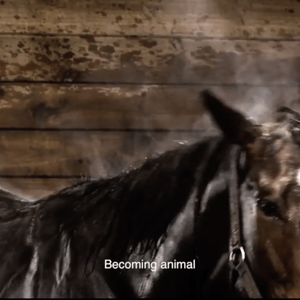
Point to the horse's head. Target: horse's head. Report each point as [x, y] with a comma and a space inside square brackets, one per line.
[269, 194]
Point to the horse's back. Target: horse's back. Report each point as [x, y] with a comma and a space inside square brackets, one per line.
[46, 245]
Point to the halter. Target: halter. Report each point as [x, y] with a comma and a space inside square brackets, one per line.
[237, 257]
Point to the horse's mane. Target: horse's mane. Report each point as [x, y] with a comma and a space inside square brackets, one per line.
[12, 206]
[132, 210]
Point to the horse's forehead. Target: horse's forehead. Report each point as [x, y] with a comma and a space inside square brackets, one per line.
[276, 160]
[270, 129]
[275, 142]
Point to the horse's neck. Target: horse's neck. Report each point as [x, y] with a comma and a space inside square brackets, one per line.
[212, 228]
[147, 283]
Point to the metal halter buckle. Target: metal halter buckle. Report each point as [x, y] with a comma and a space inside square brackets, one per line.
[236, 257]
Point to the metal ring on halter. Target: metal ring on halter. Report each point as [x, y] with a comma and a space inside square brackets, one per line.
[237, 252]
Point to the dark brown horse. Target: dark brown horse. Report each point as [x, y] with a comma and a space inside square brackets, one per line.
[223, 215]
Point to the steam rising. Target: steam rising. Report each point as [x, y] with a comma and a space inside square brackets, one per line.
[257, 100]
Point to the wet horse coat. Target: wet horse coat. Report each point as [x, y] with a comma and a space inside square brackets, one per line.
[57, 246]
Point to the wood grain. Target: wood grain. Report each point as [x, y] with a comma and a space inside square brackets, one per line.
[149, 60]
[81, 154]
[205, 18]
[156, 56]
[121, 107]
[34, 188]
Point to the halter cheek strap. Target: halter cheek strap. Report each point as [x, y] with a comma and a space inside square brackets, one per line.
[237, 255]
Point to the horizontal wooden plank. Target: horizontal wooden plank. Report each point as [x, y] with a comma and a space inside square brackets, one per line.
[240, 18]
[34, 188]
[149, 60]
[82, 154]
[98, 106]
[119, 107]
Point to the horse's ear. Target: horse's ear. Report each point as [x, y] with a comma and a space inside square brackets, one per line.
[235, 126]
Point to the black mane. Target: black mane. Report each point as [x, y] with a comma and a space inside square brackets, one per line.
[137, 207]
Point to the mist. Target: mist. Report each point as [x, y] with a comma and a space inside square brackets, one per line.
[144, 90]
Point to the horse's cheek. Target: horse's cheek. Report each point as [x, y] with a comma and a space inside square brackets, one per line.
[270, 252]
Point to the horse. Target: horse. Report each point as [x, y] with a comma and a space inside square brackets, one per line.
[218, 218]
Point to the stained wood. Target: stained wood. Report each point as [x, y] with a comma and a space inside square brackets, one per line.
[99, 107]
[148, 60]
[203, 42]
[81, 154]
[34, 188]
[209, 18]
[120, 107]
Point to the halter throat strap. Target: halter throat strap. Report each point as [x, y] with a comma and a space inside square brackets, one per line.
[237, 255]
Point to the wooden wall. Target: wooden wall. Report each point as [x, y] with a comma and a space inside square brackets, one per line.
[89, 88]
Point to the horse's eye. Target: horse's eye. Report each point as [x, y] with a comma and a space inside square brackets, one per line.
[269, 208]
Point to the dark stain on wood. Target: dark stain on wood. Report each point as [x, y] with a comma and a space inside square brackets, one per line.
[81, 60]
[58, 54]
[208, 54]
[44, 59]
[148, 43]
[246, 34]
[2, 2]
[138, 20]
[284, 33]
[259, 31]
[176, 61]
[68, 55]
[93, 48]
[119, 18]
[67, 46]
[17, 17]
[47, 48]
[20, 45]
[42, 112]
[107, 49]
[130, 57]
[239, 48]
[88, 38]
[278, 47]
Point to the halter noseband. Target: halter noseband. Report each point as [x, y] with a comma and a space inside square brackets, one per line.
[237, 255]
